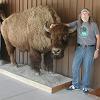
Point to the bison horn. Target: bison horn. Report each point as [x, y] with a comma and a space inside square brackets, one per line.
[53, 25]
[45, 27]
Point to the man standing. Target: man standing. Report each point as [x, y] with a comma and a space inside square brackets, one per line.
[88, 43]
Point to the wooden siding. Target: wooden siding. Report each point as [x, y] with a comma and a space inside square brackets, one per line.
[68, 11]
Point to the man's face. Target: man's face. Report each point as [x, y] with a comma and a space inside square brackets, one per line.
[85, 16]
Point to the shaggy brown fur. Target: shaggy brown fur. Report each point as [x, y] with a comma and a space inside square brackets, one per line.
[25, 31]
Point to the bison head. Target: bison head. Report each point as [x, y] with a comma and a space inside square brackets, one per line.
[59, 35]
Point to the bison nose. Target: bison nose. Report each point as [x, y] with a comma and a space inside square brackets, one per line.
[56, 51]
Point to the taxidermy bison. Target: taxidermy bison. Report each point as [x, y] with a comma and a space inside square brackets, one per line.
[30, 31]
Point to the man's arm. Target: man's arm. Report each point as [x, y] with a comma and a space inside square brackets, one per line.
[96, 53]
[72, 24]
[98, 41]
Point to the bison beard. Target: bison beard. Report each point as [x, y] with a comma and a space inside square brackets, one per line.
[25, 31]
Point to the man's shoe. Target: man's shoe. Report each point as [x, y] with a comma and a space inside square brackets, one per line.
[85, 90]
[72, 87]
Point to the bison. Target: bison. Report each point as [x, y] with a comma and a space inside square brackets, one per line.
[30, 31]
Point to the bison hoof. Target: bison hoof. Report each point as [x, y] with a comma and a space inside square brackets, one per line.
[12, 64]
[37, 74]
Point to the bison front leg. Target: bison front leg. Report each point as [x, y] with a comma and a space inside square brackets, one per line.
[48, 61]
[35, 58]
[10, 50]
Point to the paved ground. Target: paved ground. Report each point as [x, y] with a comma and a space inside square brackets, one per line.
[11, 89]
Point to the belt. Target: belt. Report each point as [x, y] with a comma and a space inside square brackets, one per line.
[85, 45]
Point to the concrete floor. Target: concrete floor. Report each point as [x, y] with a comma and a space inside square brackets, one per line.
[11, 89]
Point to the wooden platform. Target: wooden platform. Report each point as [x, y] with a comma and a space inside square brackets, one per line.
[50, 85]
[96, 92]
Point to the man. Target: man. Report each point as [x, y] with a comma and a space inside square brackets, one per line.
[88, 42]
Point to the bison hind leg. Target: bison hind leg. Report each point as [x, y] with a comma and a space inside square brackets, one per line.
[11, 50]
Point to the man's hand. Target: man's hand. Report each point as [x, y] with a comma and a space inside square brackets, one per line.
[96, 54]
[66, 24]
